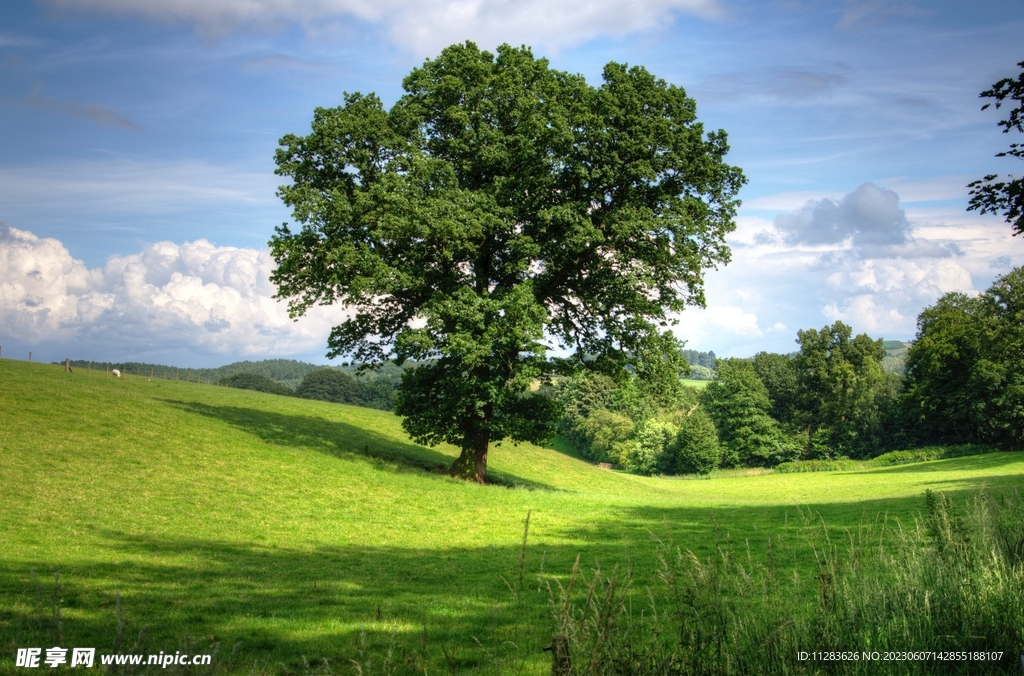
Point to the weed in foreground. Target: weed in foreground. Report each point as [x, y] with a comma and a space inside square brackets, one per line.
[949, 591]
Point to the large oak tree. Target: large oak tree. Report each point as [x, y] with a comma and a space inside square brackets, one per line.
[498, 207]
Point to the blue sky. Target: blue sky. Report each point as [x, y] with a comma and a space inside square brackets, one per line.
[137, 185]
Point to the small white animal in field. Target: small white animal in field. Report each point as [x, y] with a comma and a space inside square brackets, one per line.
[117, 374]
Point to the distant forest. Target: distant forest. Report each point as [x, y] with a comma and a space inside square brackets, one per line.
[345, 384]
[289, 373]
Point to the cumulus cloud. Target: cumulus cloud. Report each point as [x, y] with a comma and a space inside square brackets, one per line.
[424, 27]
[193, 296]
[719, 327]
[860, 257]
[874, 267]
[886, 295]
[868, 216]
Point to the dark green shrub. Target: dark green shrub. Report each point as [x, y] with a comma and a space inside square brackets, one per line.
[648, 451]
[580, 396]
[834, 465]
[928, 453]
[603, 431]
[329, 385]
[251, 381]
[341, 388]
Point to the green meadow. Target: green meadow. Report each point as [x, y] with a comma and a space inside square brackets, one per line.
[280, 532]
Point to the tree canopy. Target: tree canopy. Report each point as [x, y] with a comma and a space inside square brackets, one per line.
[499, 206]
[737, 401]
[994, 194]
[965, 371]
[842, 388]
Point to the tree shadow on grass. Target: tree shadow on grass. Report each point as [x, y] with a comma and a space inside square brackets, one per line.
[703, 529]
[339, 439]
[453, 609]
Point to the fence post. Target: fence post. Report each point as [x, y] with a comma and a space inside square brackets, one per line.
[88, 368]
[560, 665]
[67, 366]
[30, 356]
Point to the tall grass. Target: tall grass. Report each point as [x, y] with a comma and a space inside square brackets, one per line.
[953, 582]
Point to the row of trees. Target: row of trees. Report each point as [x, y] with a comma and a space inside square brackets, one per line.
[328, 384]
[831, 398]
[964, 383]
[965, 372]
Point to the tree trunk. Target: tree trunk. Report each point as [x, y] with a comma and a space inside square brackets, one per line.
[472, 462]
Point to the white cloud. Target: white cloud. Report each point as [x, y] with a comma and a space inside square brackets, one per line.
[885, 296]
[860, 258]
[718, 326]
[423, 27]
[869, 216]
[168, 297]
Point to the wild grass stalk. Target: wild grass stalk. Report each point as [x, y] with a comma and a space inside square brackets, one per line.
[948, 590]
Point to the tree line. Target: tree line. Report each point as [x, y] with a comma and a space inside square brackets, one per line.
[963, 383]
[346, 384]
[369, 389]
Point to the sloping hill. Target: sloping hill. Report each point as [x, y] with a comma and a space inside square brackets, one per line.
[294, 527]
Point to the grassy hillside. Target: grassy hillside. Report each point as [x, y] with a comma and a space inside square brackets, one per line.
[294, 527]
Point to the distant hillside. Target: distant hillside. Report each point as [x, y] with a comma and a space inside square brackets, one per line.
[695, 358]
[287, 372]
[702, 364]
[373, 388]
[895, 360]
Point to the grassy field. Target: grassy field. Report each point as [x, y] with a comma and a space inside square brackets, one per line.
[297, 529]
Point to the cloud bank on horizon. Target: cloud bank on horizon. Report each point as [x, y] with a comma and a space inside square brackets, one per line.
[857, 258]
[197, 297]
